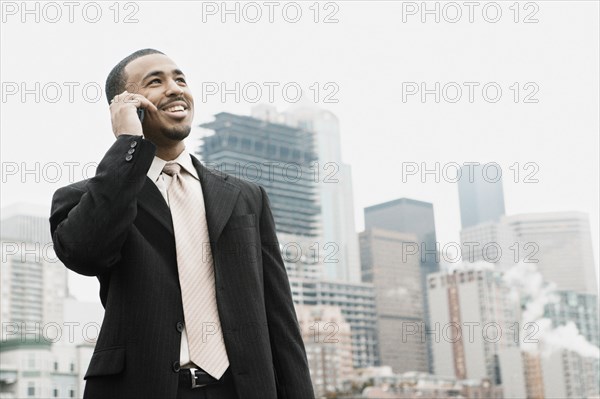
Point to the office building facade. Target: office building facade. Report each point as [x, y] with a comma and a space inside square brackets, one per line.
[481, 194]
[559, 243]
[34, 281]
[328, 344]
[568, 374]
[279, 158]
[357, 305]
[410, 216]
[391, 262]
[334, 184]
[576, 307]
[473, 318]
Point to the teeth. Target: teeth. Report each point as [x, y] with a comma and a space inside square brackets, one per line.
[175, 108]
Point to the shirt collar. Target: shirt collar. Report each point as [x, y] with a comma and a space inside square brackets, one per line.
[184, 159]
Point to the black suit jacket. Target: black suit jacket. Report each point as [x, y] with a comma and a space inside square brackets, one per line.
[117, 226]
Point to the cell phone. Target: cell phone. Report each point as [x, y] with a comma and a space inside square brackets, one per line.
[140, 112]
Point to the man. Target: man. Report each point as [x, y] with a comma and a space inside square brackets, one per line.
[196, 296]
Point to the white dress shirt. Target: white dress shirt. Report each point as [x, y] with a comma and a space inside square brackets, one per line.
[162, 181]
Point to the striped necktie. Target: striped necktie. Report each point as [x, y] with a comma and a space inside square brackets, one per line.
[196, 275]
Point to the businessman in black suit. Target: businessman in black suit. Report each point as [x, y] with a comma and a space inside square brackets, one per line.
[119, 227]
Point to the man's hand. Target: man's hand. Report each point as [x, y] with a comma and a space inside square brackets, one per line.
[123, 113]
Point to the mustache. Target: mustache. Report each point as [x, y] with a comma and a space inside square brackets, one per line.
[173, 101]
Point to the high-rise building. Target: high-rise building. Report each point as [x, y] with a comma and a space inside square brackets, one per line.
[34, 281]
[568, 374]
[335, 187]
[26, 222]
[410, 216]
[480, 193]
[39, 360]
[491, 242]
[273, 155]
[534, 381]
[473, 321]
[357, 305]
[334, 183]
[328, 344]
[559, 243]
[579, 308]
[391, 262]
[281, 159]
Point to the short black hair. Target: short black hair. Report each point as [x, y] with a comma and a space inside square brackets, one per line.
[116, 80]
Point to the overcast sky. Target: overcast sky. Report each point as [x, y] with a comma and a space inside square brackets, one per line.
[368, 61]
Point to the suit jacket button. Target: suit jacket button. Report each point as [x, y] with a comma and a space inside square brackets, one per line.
[133, 144]
[179, 326]
[129, 157]
[131, 150]
[176, 367]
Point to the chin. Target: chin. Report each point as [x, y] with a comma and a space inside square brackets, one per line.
[177, 133]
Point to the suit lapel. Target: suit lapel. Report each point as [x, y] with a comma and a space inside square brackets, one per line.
[220, 197]
[153, 202]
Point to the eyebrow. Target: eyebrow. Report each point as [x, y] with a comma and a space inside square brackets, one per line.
[160, 73]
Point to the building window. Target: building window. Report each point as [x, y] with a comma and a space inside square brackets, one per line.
[31, 361]
[55, 366]
[72, 367]
[55, 392]
[31, 389]
[71, 393]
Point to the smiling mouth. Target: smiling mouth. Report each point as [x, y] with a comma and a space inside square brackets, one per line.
[175, 108]
[177, 111]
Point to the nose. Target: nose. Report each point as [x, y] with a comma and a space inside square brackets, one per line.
[173, 89]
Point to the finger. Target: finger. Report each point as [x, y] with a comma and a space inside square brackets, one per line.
[137, 99]
[145, 103]
[131, 98]
[121, 98]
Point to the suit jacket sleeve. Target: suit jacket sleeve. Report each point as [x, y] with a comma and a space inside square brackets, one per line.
[90, 223]
[289, 356]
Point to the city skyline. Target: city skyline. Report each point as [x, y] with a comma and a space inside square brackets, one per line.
[559, 342]
[397, 301]
[84, 292]
[554, 140]
[386, 109]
